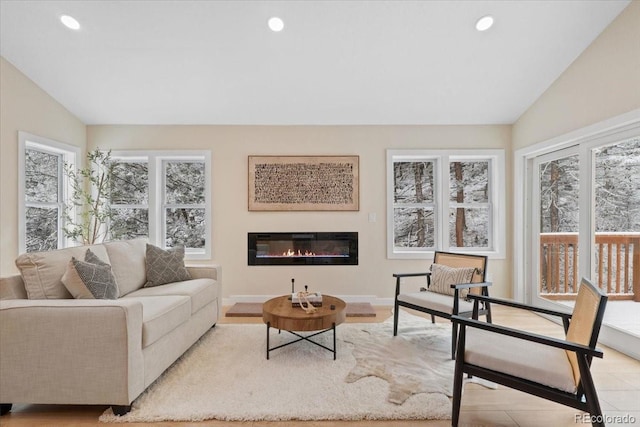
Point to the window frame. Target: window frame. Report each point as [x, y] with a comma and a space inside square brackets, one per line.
[156, 204]
[443, 159]
[69, 154]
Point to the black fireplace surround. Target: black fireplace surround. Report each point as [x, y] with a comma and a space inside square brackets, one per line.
[340, 248]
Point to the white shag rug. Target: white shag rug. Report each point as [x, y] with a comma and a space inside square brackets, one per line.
[225, 376]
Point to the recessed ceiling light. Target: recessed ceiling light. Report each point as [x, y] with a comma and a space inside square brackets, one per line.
[484, 23]
[276, 24]
[70, 22]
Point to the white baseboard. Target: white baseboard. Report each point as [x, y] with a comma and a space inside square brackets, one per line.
[372, 299]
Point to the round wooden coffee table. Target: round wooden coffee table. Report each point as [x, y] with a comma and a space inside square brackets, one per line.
[280, 314]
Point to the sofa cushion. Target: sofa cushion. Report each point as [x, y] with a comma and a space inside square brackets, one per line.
[201, 292]
[127, 258]
[161, 315]
[42, 271]
[90, 279]
[165, 266]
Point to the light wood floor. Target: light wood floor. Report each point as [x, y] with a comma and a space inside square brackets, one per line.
[617, 379]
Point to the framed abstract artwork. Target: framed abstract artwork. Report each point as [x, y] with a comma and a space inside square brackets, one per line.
[303, 183]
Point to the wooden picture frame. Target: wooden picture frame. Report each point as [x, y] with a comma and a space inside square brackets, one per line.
[304, 183]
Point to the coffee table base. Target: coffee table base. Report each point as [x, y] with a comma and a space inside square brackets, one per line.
[304, 338]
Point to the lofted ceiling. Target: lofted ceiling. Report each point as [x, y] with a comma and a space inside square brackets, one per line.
[335, 62]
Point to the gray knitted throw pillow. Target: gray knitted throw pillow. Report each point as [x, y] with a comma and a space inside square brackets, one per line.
[97, 277]
[165, 266]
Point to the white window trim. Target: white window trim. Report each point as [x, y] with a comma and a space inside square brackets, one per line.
[70, 155]
[497, 229]
[155, 161]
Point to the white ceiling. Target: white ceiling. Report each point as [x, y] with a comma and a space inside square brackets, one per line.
[336, 62]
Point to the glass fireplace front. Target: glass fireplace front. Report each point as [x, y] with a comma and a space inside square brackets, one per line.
[303, 248]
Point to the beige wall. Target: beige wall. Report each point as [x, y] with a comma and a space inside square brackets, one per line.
[603, 82]
[25, 107]
[231, 145]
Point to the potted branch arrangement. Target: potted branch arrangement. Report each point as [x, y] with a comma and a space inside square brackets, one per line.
[87, 212]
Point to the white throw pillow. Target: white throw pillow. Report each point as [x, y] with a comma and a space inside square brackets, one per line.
[442, 277]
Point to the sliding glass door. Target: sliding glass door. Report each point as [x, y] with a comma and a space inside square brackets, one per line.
[585, 222]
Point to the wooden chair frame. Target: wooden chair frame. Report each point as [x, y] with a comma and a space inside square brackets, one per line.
[585, 398]
[441, 257]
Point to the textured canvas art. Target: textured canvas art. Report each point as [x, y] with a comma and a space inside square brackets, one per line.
[303, 183]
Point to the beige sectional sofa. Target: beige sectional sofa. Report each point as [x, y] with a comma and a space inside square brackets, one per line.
[55, 349]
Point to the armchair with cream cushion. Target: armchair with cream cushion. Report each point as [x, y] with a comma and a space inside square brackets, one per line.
[554, 369]
[452, 277]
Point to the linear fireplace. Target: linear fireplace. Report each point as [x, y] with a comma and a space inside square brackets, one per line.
[303, 248]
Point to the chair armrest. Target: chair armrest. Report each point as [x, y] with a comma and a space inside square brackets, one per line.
[528, 336]
[400, 275]
[514, 304]
[471, 285]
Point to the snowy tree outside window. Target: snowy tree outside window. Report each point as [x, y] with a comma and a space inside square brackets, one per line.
[184, 205]
[42, 189]
[469, 216]
[42, 199]
[163, 196]
[129, 200]
[413, 193]
[617, 187]
[444, 200]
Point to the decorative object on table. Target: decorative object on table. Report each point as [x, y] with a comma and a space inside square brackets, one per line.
[303, 183]
[308, 301]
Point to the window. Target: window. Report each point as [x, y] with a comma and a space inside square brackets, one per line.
[129, 199]
[42, 191]
[164, 196]
[445, 200]
[184, 203]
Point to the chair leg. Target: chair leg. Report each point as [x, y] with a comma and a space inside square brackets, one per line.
[454, 340]
[396, 309]
[433, 319]
[590, 394]
[457, 386]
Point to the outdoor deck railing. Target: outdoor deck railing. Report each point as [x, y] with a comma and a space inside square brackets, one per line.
[617, 265]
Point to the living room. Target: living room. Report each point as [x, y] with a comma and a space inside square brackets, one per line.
[597, 90]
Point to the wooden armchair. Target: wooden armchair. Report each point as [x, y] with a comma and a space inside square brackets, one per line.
[452, 277]
[554, 369]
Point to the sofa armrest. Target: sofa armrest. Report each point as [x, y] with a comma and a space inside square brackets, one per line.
[12, 287]
[204, 271]
[71, 351]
